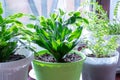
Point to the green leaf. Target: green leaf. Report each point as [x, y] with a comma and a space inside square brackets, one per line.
[1, 9]
[30, 25]
[76, 34]
[54, 44]
[51, 24]
[32, 17]
[43, 21]
[61, 12]
[14, 29]
[76, 14]
[60, 20]
[58, 42]
[43, 43]
[54, 16]
[15, 16]
[58, 27]
[65, 33]
[44, 33]
[63, 49]
[71, 20]
[28, 32]
[85, 20]
[1, 19]
[71, 13]
[12, 21]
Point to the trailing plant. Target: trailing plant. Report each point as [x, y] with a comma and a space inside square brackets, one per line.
[116, 9]
[99, 30]
[8, 31]
[55, 33]
[114, 25]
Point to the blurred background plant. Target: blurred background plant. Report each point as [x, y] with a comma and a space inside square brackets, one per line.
[114, 25]
[98, 30]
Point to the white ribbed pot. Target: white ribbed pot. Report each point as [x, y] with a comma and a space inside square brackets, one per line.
[16, 70]
[118, 49]
[100, 68]
[118, 65]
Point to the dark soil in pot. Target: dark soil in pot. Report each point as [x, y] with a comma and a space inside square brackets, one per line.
[15, 57]
[100, 56]
[72, 57]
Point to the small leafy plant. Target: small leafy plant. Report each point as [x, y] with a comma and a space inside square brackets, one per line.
[99, 29]
[55, 33]
[8, 31]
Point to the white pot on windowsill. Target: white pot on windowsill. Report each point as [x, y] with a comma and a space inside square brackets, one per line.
[16, 70]
[118, 49]
[100, 68]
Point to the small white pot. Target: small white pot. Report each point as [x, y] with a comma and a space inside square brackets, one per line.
[118, 67]
[100, 68]
[118, 49]
[16, 70]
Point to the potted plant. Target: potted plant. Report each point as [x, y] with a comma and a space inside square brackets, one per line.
[58, 61]
[102, 57]
[14, 61]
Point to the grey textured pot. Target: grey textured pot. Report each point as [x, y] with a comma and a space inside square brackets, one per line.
[118, 65]
[118, 49]
[16, 70]
[100, 68]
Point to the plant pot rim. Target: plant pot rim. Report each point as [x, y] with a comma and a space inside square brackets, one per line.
[104, 60]
[77, 52]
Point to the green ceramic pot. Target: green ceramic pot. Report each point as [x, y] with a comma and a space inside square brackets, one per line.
[58, 71]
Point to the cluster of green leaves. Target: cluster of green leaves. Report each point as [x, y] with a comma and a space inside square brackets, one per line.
[8, 30]
[103, 47]
[55, 33]
[114, 26]
[98, 20]
[99, 27]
